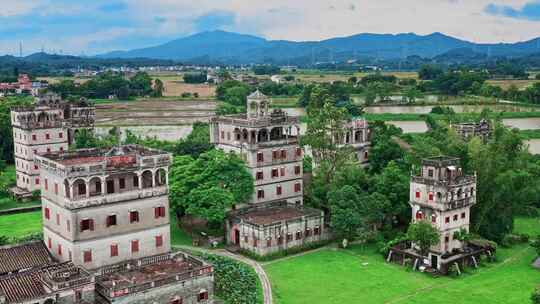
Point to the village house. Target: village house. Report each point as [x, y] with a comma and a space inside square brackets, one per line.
[358, 138]
[106, 216]
[268, 141]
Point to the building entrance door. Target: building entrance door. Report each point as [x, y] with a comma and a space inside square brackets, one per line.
[237, 237]
[434, 261]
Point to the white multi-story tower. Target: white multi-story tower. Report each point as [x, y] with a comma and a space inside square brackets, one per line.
[36, 129]
[443, 195]
[268, 142]
[103, 207]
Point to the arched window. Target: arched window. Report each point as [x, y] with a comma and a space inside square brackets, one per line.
[419, 215]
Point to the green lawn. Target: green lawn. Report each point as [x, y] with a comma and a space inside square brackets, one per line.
[17, 225]
[7, 177]
[342, 276]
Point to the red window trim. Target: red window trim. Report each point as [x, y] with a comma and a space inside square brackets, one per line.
[114, 250]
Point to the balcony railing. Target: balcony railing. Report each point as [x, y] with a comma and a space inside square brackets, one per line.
[463, 180]
[103, 199]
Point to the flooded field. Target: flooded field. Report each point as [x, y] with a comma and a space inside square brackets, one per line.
[523, 123]
[410, 126]
[154, 113]
[457, 109]
[168, 133]
[534, 146]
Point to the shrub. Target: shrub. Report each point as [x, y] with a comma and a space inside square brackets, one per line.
[535, 297]
[235, 282]
[513, 239]
[384, 248]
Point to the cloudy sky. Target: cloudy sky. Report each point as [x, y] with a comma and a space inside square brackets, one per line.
[91, 27]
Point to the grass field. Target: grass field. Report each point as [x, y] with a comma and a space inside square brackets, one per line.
[17, 225]
[507, 83]
[359, 275]
[178, 236]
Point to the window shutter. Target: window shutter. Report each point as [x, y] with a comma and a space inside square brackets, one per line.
[91, 224]
[157, 212]
[162, 211]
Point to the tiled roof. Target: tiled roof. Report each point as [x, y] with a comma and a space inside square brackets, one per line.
[22, 286]
[25, 256]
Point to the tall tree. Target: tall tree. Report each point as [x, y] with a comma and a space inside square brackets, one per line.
[424, 235]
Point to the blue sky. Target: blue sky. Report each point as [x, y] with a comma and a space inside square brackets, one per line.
[97, 26]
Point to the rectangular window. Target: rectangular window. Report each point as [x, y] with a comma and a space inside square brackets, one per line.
[430, 196]
[417, 194]
[46, 184]
[134, 246]
[122, 183]
[114, 250]
[455, 217]
[37, 181]
[61, 135]
[316, 231]
[47, 213]
[278, 190]
[159, 212]
[135, 181]
[463, 215]
[282, 171]
[299, 235]
[87, 224]
[159, 241]
[203, 296]
[87, 256]
[36, 167]
[430, 172]
[47, 136]
[111, 220]
[275, 173]
[49, 243]
[260, 157]
[58, 219]
[446, 239]
[134, 216]
[289, 237]
[284, 154]
[275, 155]
[447, 219]
[56, 188]
[259, 175]
[34, 137]
[297, 187]
[298, 151]
[297, 170]
[260, 194]
[59, 249]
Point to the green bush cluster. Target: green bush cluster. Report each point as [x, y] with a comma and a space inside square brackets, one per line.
[6, 240]
[286, 252]
[535, 297]
[512, 239]
[235, 282]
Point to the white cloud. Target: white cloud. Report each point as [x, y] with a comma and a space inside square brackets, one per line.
[18, 7]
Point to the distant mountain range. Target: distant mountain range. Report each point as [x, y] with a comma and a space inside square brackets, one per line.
[227, 47]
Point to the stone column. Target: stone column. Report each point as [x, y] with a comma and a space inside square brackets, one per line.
[139, 175]
[71, 191]
[166, 177]
[87, 184]
[154, 179]
[103, 185]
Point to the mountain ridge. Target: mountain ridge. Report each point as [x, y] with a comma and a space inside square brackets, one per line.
[230, 47]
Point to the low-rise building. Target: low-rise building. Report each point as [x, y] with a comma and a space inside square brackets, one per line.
[269, 228]
[467, 131]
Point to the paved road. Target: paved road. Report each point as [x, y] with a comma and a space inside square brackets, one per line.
[263, 277]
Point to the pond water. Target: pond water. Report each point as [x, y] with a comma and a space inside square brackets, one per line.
[168, 133]
[410, 126]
